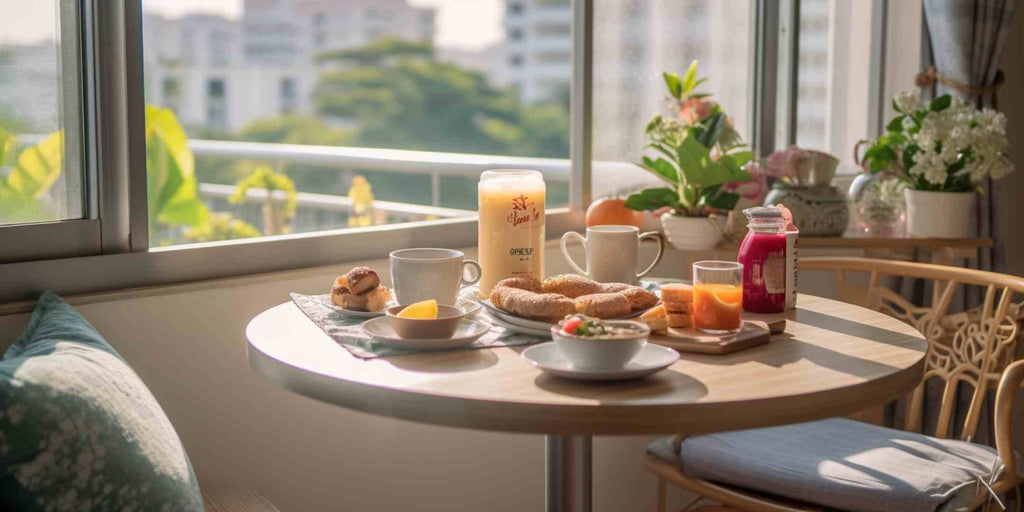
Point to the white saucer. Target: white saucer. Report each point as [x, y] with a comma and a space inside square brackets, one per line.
[651, 359]
[501, 322]
[467, 332]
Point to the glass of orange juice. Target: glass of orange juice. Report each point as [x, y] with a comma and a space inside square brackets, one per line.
[717, 296]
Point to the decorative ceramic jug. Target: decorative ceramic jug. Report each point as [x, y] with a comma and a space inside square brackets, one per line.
[819, 209]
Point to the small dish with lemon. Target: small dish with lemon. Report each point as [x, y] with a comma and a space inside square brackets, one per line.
[425, 320]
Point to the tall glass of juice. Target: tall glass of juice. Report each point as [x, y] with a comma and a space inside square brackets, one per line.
[511, 230]
[763, 255]
[717, 296]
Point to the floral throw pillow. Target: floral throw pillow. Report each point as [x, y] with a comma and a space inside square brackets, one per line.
[79, 430]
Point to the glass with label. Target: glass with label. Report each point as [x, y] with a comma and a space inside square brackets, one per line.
[763, 255]
[511, 226]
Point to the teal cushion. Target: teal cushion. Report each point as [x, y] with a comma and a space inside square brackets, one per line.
[79, 430]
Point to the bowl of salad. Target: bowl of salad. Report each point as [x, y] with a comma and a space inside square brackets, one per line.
[594, 344]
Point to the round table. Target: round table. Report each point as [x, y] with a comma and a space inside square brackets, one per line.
[833, 359]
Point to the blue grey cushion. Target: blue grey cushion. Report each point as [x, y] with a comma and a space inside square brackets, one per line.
[840, 463]
[79, 430]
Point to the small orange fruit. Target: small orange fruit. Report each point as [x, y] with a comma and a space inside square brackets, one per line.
[609, 210]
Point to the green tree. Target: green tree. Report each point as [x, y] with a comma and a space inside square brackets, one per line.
[400, 96]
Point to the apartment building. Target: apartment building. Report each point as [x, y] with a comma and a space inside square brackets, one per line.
[538, 47]
[220, 73]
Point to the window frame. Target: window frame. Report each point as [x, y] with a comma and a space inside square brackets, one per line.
[110, 250]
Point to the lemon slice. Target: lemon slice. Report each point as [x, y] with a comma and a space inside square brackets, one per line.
[425, 310]
[724, 304]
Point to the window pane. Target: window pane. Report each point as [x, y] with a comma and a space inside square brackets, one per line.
[40, 164]
[238, 93]
[634, 42]
[834, 77]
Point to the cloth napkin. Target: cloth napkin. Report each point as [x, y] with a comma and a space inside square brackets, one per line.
[348, 331]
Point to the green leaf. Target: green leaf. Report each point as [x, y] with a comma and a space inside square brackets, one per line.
[941, 103]
[740, 158]
[896, 107]
[722, 200]
[689, 195]
[908, 155]
[675, 87]
[662, 168]
[690, 79]
[896, 125]
[38, 167]
[663, 149]
[652, 199]
[699, 169]
[713, 130]
[172, 189]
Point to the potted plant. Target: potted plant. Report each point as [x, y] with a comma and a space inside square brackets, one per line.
[942, 151]
[697, 154]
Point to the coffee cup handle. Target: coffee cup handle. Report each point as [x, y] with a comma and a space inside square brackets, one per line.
[661, 249]
[478, 273]
[565, 250]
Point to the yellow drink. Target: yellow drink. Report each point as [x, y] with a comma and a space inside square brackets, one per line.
[511, 227]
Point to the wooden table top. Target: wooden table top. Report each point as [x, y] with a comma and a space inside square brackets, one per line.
[834, 359]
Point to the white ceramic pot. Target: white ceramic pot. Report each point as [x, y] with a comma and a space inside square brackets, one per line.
[941, 214]
[693, 233]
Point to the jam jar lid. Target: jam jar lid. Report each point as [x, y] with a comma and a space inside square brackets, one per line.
[763, 212]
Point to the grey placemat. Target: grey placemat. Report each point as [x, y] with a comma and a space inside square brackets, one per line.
[348, 331]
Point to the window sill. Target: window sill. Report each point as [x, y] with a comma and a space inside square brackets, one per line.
[24, 281]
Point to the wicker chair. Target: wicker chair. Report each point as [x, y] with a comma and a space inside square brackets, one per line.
[974, 347]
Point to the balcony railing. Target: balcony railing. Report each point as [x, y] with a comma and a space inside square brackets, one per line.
[434, 164]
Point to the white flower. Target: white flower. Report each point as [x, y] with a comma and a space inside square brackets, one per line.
[908, 102]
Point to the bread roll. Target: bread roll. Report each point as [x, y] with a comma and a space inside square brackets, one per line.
[679, 307]
[603, 305]
[377, 298]
[361, 279]
[676, 292]
[680, 321]
[639, 298]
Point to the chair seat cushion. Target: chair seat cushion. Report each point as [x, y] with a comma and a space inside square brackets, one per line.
[79, 430]
[840, 463]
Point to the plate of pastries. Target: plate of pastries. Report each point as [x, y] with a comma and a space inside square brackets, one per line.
[538, 304]
[359, 293]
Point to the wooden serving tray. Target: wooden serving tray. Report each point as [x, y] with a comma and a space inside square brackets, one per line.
[752, 334]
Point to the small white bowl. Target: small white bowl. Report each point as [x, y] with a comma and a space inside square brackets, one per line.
[604, 353]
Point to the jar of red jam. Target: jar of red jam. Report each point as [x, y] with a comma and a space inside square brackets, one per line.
[763, 255]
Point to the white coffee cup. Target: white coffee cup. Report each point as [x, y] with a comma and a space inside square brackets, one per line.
[422, 274]
[612, 253]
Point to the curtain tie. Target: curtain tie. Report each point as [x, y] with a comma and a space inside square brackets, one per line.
[931, 76]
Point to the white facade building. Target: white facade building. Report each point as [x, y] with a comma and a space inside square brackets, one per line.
[220, 74]
[538, 47]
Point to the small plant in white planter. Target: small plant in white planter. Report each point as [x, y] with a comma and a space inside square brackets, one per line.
[942, 150]
[696, 154]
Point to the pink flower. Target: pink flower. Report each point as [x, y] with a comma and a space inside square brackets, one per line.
[695, 109]
[755, 189]
[788, 215]
[782, 164]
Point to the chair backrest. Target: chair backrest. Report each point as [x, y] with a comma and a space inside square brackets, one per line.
[969, 346]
